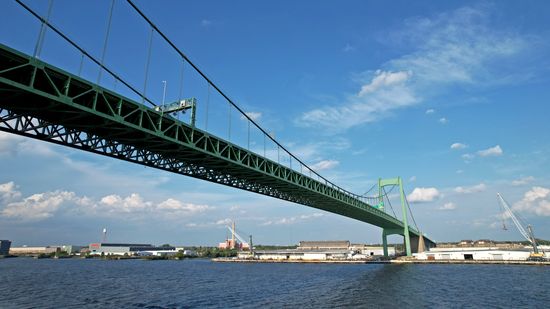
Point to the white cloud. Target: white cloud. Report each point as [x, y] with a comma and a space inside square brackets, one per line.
[174, 205]
[41, 206]
[467, 156]
[360, 109]
[420, 195]
[324, 165]
[456, 47]
[451, 48]
[12, 144]
[37, 206]
[293, 220]
[384, 79]
[225, 221]
[443, 120]
[430, 111]
[253, 115]
[472, 189]
[130, 204]
[348, 48]
[493, 151]
[536, 201]
[9, 143]
[206, 22]
[9, 192]
[523, 181]
[448, 206]
[456, 146]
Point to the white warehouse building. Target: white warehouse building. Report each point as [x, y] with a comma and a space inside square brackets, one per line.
[477, 254]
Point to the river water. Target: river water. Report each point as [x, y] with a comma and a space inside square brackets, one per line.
[79, 283]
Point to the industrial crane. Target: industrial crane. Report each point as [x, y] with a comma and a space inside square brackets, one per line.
[526, 232]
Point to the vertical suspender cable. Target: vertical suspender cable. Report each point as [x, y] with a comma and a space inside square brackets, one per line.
[206, 108]
[81, 50]
[42, 33]
[229, 123]
[412, 216]
[248, 138]
[147, 65]
[81, 64]
[106, 41]
[181, 79]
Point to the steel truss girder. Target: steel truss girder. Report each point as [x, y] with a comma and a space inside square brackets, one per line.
[41, 101]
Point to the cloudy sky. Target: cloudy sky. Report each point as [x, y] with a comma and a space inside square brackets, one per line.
[452, 97]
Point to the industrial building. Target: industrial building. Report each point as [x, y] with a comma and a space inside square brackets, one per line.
[130, 249]
[371, 250]
[235, 242]
[320, 251]
[5, 247]
[476, 254]
[34, 250]
[72, 249]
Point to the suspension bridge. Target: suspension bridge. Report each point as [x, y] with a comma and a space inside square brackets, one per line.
[65, 106]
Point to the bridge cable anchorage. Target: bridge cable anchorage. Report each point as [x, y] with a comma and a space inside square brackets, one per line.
[203, 75]
[84, 52]
[102, 60]
[42, 33]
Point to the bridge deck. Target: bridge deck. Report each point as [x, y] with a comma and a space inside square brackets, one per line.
[44, 102]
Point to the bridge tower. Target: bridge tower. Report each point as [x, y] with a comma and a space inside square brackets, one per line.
[385, 232]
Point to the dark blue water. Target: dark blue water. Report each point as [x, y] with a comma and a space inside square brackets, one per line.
[66, 283]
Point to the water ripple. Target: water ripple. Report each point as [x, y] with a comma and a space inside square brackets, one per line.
[76, 283]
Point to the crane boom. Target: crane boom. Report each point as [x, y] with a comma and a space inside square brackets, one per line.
[510, 213]
[528, 234]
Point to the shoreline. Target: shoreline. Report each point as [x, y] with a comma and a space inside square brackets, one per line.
[397, 262]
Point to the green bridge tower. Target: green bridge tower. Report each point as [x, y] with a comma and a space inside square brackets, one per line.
[385, 232]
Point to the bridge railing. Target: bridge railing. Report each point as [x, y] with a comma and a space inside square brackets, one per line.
[114, 44]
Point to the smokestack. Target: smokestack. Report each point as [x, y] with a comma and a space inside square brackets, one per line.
[233, 235]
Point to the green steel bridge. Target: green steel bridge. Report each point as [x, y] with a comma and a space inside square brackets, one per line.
[42, 101]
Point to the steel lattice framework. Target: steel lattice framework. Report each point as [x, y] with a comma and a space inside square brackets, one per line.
[41, 101]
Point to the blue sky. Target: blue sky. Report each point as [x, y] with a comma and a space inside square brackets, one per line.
[451, 96]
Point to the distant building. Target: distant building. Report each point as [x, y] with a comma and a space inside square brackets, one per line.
[34, 250]
[72, 249]
[371, 250]
[5, 247]
[324, 245]
[466, 243]
[129, 249]
[484, 243]
[476, 254]
[322, 250]
[231, 244]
